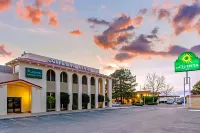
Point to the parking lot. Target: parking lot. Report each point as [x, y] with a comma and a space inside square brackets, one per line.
[153, 119]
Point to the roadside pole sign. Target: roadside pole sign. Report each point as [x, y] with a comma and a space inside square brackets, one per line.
[186, 62]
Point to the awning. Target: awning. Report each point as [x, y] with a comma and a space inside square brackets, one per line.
[20, 81]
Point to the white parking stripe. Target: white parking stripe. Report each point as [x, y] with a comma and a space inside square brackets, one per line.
[194, 110]
[18, 122]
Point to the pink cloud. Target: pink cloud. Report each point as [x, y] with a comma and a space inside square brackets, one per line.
[4, 4]
[76, 32]
[67, 8]
[4, 52]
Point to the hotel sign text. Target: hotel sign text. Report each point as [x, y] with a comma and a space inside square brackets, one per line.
[71, 65]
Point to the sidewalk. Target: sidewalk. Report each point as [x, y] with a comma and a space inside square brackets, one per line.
[22, 115]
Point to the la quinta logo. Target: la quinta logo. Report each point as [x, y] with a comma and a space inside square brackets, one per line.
[186, 58]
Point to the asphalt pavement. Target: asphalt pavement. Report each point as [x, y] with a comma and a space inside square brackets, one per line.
[150, 119]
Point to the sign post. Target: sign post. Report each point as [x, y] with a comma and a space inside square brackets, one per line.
[186, 62]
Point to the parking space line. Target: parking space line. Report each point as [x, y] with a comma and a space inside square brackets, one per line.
[18, 122]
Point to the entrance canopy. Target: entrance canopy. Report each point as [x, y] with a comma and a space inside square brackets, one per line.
[20, 82]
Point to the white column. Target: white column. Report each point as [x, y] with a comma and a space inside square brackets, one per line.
[89, 91]
[96, 92]
[79, 92]
[69, 82]
[3, 100]
[110, 93]
[103, 90]
[57, 91]
[44, 91]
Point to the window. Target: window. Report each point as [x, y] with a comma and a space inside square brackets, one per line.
[92, 81]
[84, 80]
[63, 77]
[75, 79]
[50, 75]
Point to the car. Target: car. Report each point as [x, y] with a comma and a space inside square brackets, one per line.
[116, 104]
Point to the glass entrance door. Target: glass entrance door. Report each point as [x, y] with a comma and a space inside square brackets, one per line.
[14, 104]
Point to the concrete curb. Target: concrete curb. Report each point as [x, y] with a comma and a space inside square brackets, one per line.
[16, 116]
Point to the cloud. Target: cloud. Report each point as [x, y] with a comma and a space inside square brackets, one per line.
[155, 30]
[76, 32]
[35, 14]
[161, 13]
[4, 52]
[185, 18]
[124, 56]
[143, 46]
[70, 1]
[40, 3]
[4, 4]
[96, 21]
[137, 21]
[116, 34]
[67, 8]
[142, 11]
[53, 19]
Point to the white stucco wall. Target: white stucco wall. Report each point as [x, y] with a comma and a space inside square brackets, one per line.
[51, 86]
[92, 89]
[7, 77]
[85, 88]
[40, 82]
[3, 100]
[36, 100]
[64, 87]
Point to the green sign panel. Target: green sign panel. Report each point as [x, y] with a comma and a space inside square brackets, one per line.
[187, 61]
[33, 73]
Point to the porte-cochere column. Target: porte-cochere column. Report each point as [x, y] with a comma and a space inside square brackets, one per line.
[70, 90]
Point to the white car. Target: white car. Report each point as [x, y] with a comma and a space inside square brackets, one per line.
[116, 104]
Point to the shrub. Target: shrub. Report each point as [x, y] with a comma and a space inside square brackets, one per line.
[138, 104]
[150, 99]
[51, 100]
[100, 98]
[107, 99]
[152, 103]
[64, 99]
[85, 100]
[74, 107]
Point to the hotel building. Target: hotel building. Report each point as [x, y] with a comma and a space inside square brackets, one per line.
[27, 81]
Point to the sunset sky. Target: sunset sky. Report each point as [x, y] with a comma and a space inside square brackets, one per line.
[145, 36]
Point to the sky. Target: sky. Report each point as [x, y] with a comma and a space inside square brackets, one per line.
[145, 36]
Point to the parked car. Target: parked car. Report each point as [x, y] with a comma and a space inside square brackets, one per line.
[170, 101]
[116, 104]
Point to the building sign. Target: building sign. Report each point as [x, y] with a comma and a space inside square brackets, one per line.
[72, 65]
[33, 73]
[187, 61]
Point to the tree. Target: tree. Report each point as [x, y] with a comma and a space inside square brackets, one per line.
[64, 99]
[85, 100]
[51, 100]
[196, 88]
[124, 84]
[155, 83]
[167, 90]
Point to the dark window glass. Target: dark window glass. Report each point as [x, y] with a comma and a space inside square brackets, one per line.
[61, 77]
[48, 75]
[64, 77]
[84, 80]
[75, 79]
[92, 81]
[53, 75]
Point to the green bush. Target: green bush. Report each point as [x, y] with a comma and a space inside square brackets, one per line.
[152, 103]
[64, 99]
[138, 104]
[85, 100]
[100, 98]
[107, 99]
[150, 99]
[74, 107]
